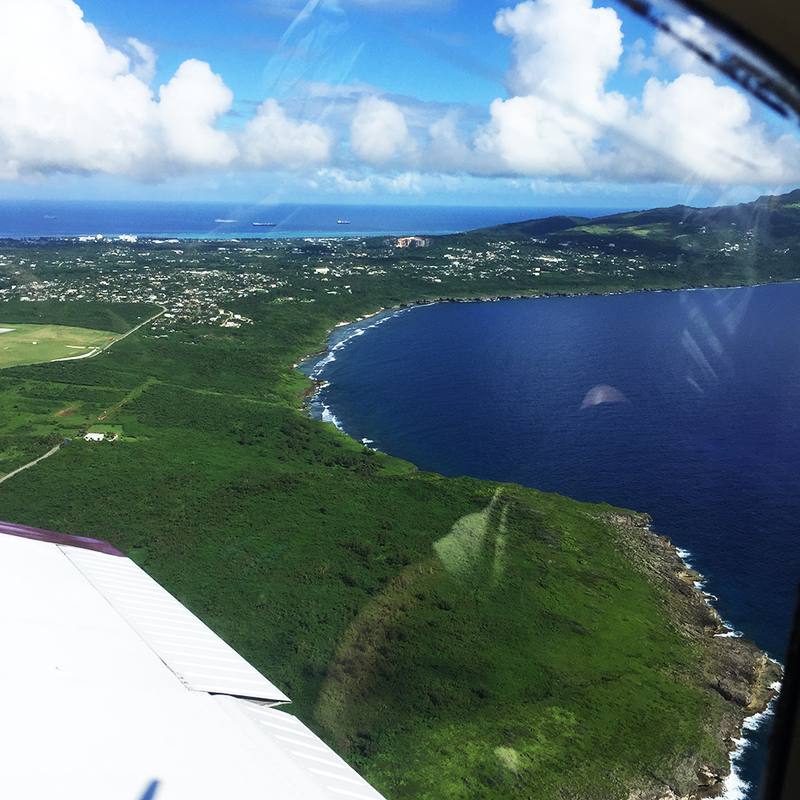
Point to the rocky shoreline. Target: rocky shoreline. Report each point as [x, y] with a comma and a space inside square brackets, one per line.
[735, 668]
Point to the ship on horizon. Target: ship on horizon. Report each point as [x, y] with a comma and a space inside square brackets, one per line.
[342, 221]
[264, 224]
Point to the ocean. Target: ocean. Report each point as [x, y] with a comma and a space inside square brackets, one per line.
[60, 219]
[682, 404]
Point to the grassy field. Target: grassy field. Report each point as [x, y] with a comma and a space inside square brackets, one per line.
[35, 414]
[35, 344]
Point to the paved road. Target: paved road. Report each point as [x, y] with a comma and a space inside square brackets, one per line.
[52, 451]
[97, 350]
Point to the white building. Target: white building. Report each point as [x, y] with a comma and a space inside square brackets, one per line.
[411, 241]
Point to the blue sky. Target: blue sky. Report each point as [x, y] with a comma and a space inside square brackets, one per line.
[422, 101]
[447, 53]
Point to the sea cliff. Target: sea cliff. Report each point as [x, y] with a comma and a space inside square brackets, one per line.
[734, 667]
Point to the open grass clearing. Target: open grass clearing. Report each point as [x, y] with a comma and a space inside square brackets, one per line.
[36, 344]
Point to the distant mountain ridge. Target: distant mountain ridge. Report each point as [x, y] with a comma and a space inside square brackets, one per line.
[677, 247]
[773, 220]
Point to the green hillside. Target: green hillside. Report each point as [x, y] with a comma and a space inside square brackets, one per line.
[753, 236]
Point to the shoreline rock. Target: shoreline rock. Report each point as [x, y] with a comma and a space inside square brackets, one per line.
[744, 676]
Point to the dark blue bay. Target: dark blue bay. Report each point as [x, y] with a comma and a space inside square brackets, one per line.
[704, 434]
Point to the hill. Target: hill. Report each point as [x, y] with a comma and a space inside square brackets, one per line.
[768, 223]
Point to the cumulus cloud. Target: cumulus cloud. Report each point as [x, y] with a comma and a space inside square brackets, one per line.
[378, 132]
[69, 102]
[564, 51]
[637, 59]
[708, 133]
[351, 182]
[531, 136]
[188, 107]
[272, 139]
[66, 100]
[143, 59]
[446, 145]
[563, 121]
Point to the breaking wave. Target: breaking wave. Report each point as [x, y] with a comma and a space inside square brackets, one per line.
[350, 334]
[735, 786]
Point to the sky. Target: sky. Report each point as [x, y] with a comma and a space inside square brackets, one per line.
[462, 102]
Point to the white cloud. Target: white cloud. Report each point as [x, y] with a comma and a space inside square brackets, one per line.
[561, 120]
[352, 182]
[188, 107]
[337, 91]
[66, 99]
[271, 139]
[637, 60]
[532, 136]
[71, 103]
[446, 148]
[708, 132]
[564, 122]
[564, 51]
[378, 132]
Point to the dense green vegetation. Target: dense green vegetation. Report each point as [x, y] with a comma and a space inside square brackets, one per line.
[101, 316]
[666, 247]
[453, 638]
[316, 559]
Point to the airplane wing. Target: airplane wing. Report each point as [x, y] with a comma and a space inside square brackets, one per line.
[113, 690]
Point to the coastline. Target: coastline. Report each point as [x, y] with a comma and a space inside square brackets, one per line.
[311, 364]
[746, 678]
[496, 298]
[327, 353]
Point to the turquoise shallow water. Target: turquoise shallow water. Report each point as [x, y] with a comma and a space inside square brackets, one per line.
[682, 404]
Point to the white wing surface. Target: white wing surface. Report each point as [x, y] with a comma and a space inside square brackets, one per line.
[111, 689]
